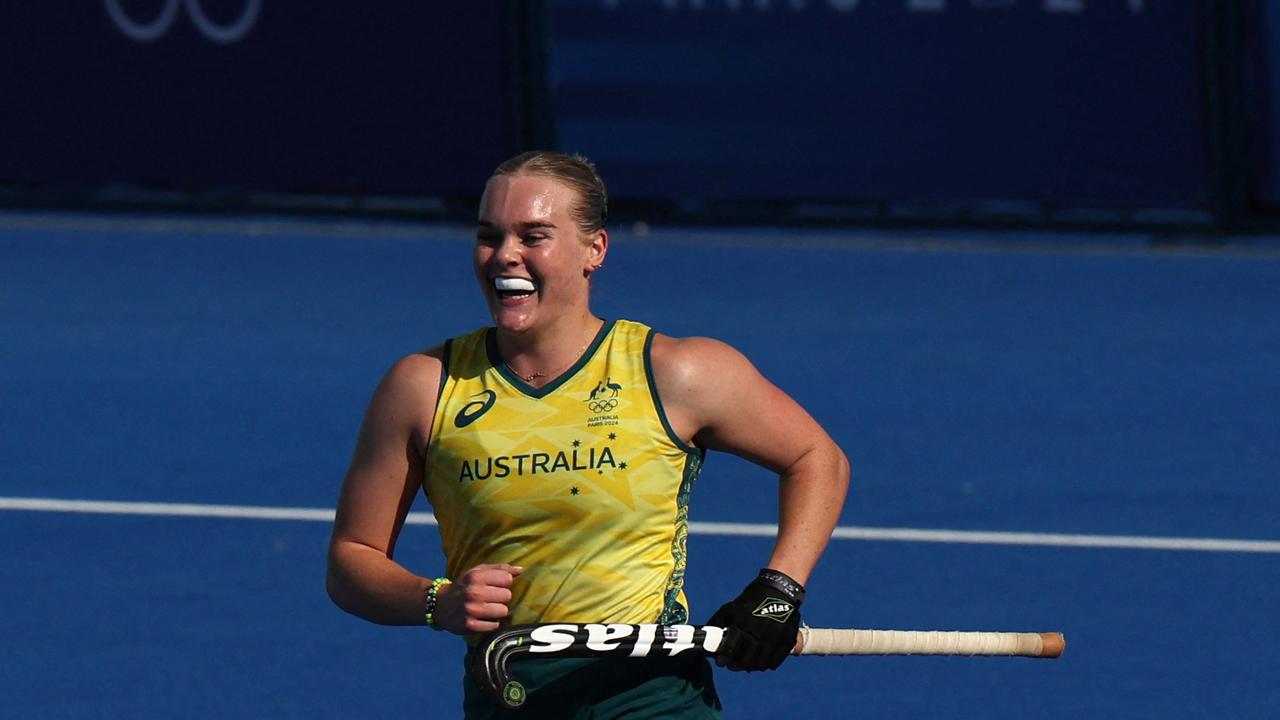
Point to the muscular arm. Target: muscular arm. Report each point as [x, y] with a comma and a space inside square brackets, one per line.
[383, 478]
[718, 400]
[385, 474]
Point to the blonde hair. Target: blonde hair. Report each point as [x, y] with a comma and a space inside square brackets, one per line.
[592, 208]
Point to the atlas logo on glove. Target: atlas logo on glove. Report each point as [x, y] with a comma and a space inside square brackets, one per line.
[775, 610]
[761, 623]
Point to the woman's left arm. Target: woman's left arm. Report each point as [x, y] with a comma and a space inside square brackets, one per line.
[715, 398]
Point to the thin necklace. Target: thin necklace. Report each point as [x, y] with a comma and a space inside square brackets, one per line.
[535, 375]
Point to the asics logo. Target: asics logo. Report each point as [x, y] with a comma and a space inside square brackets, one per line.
[474, 409]
[155, 28]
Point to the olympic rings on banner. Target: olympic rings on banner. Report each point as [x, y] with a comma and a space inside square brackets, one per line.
[155, 29]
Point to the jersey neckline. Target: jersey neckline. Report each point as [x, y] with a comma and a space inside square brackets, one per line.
[496, 361]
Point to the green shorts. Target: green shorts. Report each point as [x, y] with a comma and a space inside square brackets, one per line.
[600, 688]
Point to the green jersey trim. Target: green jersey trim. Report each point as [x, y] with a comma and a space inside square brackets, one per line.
[444, 370]
[657, 401]
[673, 613]
[495, 360]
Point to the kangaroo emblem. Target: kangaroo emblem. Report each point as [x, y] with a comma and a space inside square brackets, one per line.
[606, 384]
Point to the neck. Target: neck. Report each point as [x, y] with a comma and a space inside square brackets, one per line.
[540, 358]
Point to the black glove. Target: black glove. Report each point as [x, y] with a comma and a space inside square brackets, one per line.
[761, 624]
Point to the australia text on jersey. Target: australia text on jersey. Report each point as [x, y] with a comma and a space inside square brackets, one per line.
[536, 463]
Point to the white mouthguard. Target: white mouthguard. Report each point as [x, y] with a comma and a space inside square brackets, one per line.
[505, 284]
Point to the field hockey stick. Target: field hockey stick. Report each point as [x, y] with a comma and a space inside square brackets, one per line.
[490, 667]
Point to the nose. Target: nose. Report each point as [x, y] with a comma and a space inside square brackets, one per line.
[507, 254]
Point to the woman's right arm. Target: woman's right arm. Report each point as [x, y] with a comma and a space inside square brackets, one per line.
[384, 476]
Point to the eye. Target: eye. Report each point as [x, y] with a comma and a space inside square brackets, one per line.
[534, 238]
[488, 237]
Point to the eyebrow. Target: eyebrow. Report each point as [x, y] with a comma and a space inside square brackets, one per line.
[531, 225]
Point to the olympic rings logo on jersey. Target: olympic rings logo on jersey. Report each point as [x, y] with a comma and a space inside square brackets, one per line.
[149, 31]
[604, 397]
[602, 406]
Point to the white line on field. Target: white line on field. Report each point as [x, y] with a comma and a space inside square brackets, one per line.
[252, 512]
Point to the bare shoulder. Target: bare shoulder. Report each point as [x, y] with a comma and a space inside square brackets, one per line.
[386, 466]
[700, 380]
[406, 397]
[716, 398]
[684, 364]
[415, 374]
[416, 370]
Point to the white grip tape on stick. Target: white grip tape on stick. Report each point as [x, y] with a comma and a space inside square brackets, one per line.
[837, 641]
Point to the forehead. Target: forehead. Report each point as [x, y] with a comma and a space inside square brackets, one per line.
[516, 198]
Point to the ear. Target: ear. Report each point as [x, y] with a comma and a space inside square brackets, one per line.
[597, 249]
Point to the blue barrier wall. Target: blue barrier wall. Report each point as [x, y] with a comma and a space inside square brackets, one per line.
[1263, 103]
[1068, 102]
[287, 95]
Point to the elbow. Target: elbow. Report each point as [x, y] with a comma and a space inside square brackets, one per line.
[347, 584]
[842, 472]
[334, 585]
[342, 595]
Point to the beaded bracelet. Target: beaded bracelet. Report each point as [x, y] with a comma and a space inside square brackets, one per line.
[430, 602]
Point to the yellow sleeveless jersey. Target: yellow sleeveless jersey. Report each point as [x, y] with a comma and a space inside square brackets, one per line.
[582, 482]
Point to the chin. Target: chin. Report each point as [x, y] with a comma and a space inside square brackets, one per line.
[512, 322]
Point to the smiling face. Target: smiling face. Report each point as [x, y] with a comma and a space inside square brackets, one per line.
[531, 259]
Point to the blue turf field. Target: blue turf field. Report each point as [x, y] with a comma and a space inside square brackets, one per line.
[1086, 386]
